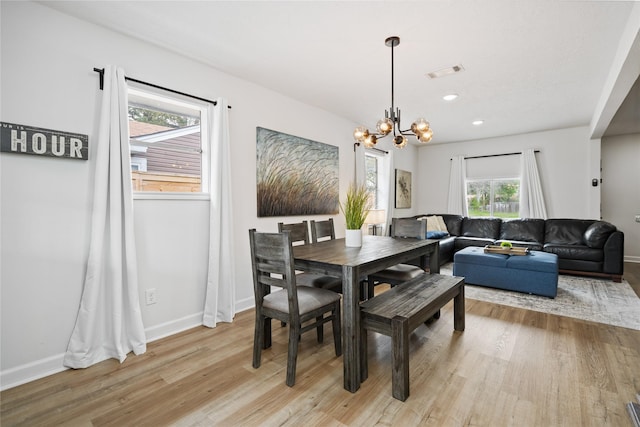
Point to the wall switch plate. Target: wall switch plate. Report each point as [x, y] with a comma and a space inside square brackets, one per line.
[150, 296]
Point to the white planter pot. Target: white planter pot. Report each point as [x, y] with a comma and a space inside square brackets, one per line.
[353, 238]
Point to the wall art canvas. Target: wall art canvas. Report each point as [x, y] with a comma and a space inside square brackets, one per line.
[403, 189]
[295, 176]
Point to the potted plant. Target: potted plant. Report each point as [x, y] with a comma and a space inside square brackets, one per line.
[355, 210]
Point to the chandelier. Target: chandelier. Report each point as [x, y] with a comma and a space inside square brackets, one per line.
[391, 122]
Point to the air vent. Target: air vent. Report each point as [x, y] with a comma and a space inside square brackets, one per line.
[445, 71]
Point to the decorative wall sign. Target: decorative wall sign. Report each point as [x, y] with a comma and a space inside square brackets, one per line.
[295, 176]
[403, 189]
[43, 142]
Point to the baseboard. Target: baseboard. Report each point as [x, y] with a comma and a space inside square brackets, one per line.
[166, 329]
[628, 258]
[38, 369]
[245, 304]
[28, 372]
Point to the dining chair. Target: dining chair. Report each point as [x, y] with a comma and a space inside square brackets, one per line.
[300, 236]
[303, 308]
[322, 230]
[399, 273]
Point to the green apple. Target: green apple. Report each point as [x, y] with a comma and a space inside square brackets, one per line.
[506, 244]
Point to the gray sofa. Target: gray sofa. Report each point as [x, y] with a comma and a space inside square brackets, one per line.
[584, 246]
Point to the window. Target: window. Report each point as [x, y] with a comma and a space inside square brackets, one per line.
[494, 197]
[372, 178]
[377, 182]
[167, 142]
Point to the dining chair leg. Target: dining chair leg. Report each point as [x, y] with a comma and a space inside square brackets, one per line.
[258, 340]
[336, 326]
[320, 329]
[266, 334]
[292, 354]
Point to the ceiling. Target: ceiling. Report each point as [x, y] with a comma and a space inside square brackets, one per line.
[529, 65]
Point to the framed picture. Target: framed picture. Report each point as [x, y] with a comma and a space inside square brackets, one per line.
[295, 176]
[403, 189]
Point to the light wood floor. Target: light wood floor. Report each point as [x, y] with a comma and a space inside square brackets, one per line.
[509, 367]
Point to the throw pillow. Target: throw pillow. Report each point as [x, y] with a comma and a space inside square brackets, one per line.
[436, 234]
[432, 224]
[442, 225]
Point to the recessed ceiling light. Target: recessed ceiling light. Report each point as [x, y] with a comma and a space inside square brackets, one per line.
[445, 71]
[477, 122]
[450, 97]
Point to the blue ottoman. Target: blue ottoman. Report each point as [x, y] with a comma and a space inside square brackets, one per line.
[536, 273]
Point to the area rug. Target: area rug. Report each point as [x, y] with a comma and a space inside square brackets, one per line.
[595, 300]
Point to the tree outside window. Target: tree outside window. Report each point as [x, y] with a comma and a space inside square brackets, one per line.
[494, 197]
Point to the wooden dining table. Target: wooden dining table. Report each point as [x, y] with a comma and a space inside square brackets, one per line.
[353, 264]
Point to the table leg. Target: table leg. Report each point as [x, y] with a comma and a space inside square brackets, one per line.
[458, 310]
[351, 328]
[434, 260]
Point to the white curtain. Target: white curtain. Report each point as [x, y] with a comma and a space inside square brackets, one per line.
[359, 166]
[219, 303]
[109, 322]
[457, 203]
[531, 198]
[388, 195]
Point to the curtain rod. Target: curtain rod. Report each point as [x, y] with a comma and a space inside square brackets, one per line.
[101, 72]
[496, 155]
[357, 144]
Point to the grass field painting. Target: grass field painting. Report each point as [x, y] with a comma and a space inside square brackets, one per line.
[295, 176]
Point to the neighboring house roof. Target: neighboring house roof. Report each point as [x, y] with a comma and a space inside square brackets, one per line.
[141, 128]
[168, 150]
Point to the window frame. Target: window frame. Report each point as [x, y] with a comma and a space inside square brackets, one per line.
[181, 102]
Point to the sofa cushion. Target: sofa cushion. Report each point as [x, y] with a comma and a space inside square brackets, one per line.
[453, 222]
[598, 233]
[523, 230]
[565, 231]
[575, 252]
[488, 228]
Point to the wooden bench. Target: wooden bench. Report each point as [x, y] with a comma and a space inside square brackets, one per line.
[399, 311]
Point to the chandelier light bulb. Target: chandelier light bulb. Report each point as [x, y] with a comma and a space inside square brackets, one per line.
[370, 140]
[384, 126]
[425, 136]
[400, 141]
[419, 126]
[360, 133]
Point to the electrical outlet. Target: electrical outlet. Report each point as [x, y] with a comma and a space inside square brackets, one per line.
[150, 296]
[637, 218]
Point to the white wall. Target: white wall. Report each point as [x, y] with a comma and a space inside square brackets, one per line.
[48, 81]
[406, 159]
[621, 189]
[564, 164]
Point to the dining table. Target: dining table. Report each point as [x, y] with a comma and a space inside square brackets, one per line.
[353, 265]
